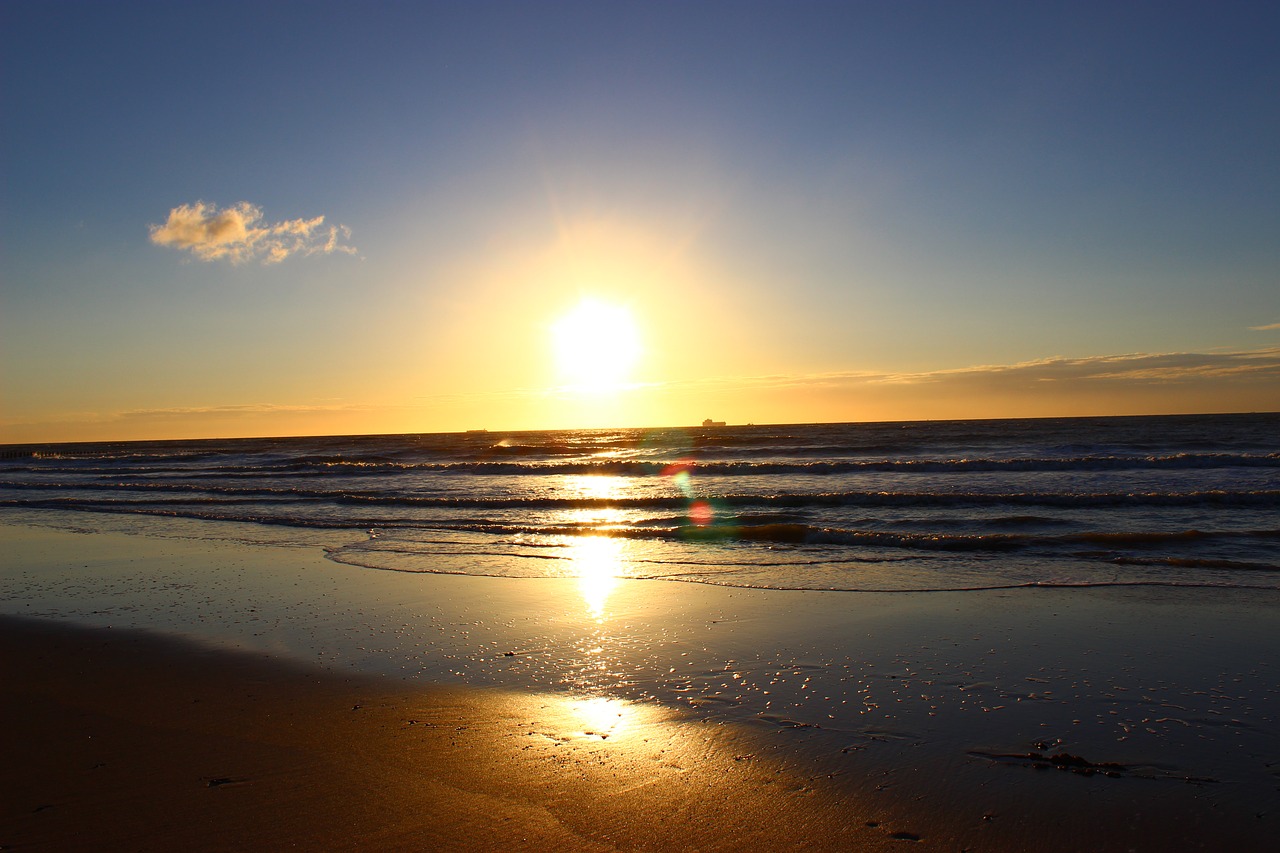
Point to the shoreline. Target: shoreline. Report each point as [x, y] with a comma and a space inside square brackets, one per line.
[922, 713]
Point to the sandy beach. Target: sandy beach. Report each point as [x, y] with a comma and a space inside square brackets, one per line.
[163, 693]
[129, 742]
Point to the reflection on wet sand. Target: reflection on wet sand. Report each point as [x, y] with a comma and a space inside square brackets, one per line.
[268, 756]
[990, 720]
[596, 560]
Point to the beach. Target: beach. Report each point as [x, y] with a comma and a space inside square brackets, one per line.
[578, 426]
[411, 711]
[130, 742]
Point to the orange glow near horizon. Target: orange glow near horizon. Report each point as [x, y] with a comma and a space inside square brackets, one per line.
[606, 321]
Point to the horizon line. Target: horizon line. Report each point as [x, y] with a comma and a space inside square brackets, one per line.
[9, 446]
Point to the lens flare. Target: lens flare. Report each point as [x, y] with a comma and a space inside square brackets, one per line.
[701, 513]
[681, 473]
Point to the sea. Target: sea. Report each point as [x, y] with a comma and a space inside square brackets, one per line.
[1184, 501]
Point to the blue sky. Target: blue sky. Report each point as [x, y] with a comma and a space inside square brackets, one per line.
[815, 211]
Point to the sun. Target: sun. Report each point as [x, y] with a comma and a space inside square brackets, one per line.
[596, 345]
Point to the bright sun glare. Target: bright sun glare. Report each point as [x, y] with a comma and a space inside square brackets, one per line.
[596, 345]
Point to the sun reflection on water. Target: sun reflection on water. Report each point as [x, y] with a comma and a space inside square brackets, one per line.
[596, 486]
[597, 562]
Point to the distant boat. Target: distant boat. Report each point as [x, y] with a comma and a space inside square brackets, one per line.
[710, 423]
[477, 432]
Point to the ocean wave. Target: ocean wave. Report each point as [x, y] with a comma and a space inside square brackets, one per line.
[796, 500]
[800, 533]
[1217, 498]
[1185, 498]
[1197, 563]
[767, 528]
[779, 576]
[730, 581]
[382, 464]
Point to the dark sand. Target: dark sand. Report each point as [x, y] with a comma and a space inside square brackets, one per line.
[118, 740]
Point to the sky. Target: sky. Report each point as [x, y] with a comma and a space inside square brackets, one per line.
[247, 219]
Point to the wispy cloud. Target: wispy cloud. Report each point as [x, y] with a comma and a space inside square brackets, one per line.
[237, 411]
[1144, 367]
[1132, 369]
[1241, 380]
[237, 233]
[1270, 327]
[195, 421]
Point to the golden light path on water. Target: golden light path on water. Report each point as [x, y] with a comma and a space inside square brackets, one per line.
[596, 561]
[599, 486]
[600, 562]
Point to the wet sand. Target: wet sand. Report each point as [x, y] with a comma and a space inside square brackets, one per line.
[277, 699]
[120, 740]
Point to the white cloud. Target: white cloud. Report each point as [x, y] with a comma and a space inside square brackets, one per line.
[237, 233]
[1270, 327]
